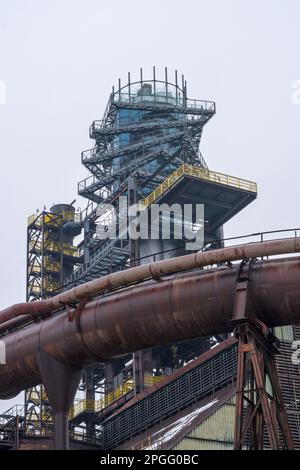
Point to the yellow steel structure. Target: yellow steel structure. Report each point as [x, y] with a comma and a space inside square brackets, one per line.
[201, 174]
[53, 219]
[97, 405]
[54, 247]
[49, 251]
[150, 380]
[50, 266]
[81, 406]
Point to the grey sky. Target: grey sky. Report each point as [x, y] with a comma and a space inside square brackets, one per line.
[59, 60]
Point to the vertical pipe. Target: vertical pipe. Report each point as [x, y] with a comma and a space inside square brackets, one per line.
[27, 267]
[166, 82]
[141, 81]
[17, 443]
[42, 255]
[185, 91]
[119, 89]
[61, 431]
[60, 221]
[176, 86]
[154, 82]
[129, 92]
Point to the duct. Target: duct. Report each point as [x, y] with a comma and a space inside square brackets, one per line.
[148, 271]
[154, 313]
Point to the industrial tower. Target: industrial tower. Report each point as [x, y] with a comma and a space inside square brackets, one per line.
[51, 256]
[146, 149]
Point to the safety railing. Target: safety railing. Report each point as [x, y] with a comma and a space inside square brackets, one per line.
[45, 218]
[202, 174]
[89, 182]
[13, 412]
[49, 266]
[54, 247]
[53, 220]
[165, 98]
[34, 268]
[86, 155]
[212, 374]
[148, 139]
[35, 289]
[98, 127]
[81, 406]
[35, 396]
[50, 285]
[70, 216]
[150, 380]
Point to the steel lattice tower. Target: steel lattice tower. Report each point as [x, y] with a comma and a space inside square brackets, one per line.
[149, 129]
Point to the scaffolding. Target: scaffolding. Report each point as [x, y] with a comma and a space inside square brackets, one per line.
[149, 129]
[51, 255]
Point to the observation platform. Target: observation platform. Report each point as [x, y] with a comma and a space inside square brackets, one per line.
[223, 195]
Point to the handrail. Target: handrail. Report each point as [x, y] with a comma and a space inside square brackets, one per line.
[203, 174]
[165, 98]
[81, 406]
[55, 247]
[53, 219]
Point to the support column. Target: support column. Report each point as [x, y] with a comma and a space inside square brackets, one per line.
[259, 401]
[61, 383]
[257, 406]
[143, 362]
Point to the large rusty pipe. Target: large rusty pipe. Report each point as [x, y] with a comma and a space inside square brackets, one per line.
[150, 314]
[148, 271]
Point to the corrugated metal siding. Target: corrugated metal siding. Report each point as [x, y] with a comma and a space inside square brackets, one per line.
[192, 444]
[285, 333]
[214, 373]
[216, 432]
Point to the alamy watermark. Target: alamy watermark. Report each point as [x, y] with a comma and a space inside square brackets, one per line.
[161, 221]
[2, 352]
[296, 353]
[3, 92]
[295, 96]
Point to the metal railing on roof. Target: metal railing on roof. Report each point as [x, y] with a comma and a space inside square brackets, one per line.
[53, 219]
[202, 174]
[165, 98]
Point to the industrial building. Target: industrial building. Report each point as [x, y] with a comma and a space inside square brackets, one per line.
[174, 381]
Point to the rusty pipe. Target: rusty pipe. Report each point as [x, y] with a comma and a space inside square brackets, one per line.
[148, 271]
[150, 314]
[14, 323]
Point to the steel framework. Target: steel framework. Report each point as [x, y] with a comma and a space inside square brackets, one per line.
[149, 129]
[147, 143]
[51, 256]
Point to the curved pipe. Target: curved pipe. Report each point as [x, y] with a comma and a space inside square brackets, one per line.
[152, 270]
[155, 313]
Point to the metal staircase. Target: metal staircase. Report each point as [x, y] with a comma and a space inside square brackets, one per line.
[149, 129]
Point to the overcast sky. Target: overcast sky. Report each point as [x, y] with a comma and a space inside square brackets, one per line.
[59, 59]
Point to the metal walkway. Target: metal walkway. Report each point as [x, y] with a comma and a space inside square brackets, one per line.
[211, 371]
